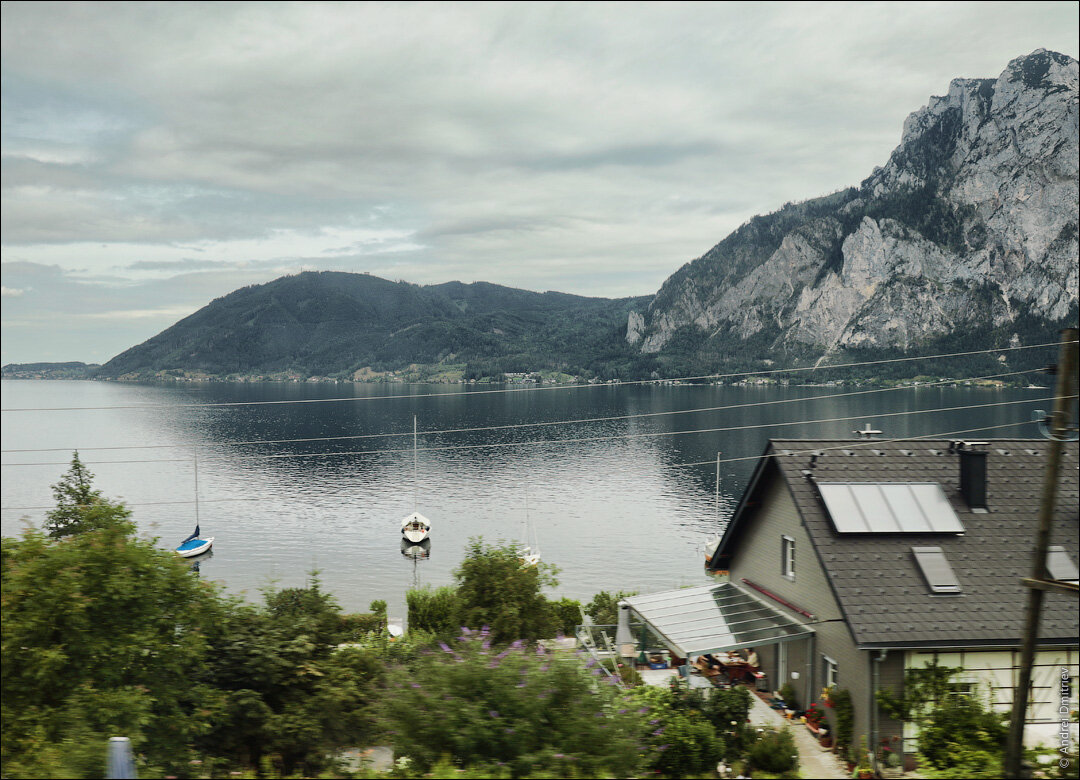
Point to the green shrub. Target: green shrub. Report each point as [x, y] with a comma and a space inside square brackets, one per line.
[775, 752]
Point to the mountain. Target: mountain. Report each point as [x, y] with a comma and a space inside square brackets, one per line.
[965, 239]
[345, 325]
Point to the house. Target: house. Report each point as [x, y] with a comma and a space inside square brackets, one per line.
[862, 559]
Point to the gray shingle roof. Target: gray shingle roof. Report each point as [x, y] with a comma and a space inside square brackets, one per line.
[875, 577]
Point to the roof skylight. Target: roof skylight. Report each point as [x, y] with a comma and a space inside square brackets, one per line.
[936, 569]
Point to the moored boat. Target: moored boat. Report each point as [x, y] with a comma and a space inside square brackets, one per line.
[415, 528]
[194, 545]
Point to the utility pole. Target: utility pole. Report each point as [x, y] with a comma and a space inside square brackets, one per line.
[1059, 423]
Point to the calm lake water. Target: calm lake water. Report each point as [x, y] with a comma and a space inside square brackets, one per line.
[616, 509]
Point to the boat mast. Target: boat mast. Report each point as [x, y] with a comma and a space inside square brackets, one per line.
[414, 500]
[716, 499]
[195, 455]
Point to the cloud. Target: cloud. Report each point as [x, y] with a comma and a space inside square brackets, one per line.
[8, 292]
[590, 148]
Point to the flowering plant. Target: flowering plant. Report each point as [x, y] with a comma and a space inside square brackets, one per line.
[814, 716]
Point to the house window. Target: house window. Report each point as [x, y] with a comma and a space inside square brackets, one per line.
[829, 671]
[787, 557]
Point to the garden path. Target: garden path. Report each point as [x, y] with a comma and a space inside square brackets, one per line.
[813, 761]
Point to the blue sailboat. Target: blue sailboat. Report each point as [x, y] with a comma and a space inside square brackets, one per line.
[194, 545]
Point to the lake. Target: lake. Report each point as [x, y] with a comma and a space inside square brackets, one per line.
[616, 504]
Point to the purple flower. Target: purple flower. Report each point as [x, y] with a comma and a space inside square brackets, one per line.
[487, 643]
[558, 755]
[590, 662]
[545, 667]
[643, 711]
[493, 713]
[623, 711]
[416, 685]
[654, 721]
[516, 645]
[663, 747]
[445, 647]
[465, 630]
[485, 630]
[658, 732]
[539, 649]
[521, 685]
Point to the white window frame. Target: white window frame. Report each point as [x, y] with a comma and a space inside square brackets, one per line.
[830, 672]
[787, 557]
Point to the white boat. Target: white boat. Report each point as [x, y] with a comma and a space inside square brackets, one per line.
[528, 554]
[194, 545]
[415, 528]
[710, 546]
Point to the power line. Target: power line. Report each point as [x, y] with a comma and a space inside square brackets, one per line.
[575, 440]
[540, 388]
[576, 421]
[851, 445]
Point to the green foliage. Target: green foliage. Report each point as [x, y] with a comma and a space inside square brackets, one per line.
[80, 507]
[604, 607]
[102, 634]
[844, 709]
[774, 752]
[494, 589]
[787, 693]
[959, 733]
[689, 731]
[434, 610]
[526, 710]
[566, 615]
[962, 735]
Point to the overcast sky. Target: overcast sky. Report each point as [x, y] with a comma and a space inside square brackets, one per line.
[156, 156]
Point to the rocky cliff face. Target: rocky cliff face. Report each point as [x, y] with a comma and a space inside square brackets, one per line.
[970, 226]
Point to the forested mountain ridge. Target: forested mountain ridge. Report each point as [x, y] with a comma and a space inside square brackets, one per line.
[967, 236]
[337, 324]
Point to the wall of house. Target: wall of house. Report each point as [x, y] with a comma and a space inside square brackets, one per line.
[758, 559]
[993, 675]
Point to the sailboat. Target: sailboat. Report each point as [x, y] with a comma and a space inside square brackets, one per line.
[415, 527]
[529, 552]
[195, 544]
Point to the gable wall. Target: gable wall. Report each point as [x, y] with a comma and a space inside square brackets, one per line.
[758, 559]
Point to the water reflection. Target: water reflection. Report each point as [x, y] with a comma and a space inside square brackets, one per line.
[613, 513]
[416, 552]
[196, 563]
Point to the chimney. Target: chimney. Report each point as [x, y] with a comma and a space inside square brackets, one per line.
[973, 478]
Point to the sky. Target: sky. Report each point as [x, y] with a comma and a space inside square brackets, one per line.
[157, 156]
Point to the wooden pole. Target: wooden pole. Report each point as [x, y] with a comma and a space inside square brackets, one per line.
[1059, 421]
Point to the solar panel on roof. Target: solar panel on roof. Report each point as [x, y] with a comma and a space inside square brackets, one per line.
[936, 569]
[889, 507]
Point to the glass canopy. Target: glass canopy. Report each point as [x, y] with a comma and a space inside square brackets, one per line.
[692, 621]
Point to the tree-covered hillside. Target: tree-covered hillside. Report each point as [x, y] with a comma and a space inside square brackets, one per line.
[336, 324]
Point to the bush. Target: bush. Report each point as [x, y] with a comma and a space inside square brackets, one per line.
[527, 710]
[787, 693]
[774, 752]
[566, 614]
[433, 610]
